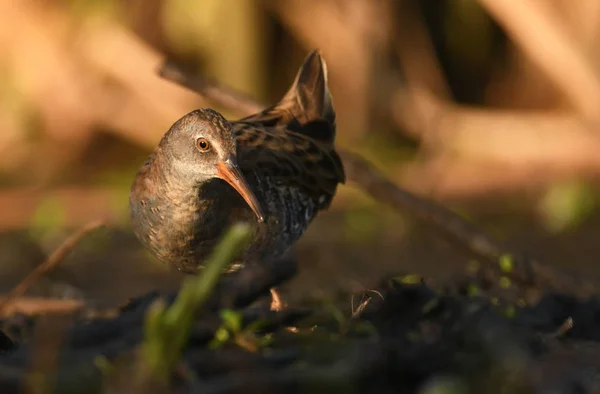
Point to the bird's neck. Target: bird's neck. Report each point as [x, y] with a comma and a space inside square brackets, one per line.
[171, 183]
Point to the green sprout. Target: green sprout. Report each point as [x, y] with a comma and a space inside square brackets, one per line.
[409, 279]
[506, 263]
[167, 328]
[473, 290]
[232, 331]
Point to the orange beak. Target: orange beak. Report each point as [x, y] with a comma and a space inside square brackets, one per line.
[229, 171]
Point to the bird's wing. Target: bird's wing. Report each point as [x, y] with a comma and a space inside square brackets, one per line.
[291, 158]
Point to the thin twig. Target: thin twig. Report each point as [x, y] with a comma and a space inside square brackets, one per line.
[560, 332]
[51, 262]
[210, 89]
[361, 307]
[36, 305]
[364, 302]
[564, 328]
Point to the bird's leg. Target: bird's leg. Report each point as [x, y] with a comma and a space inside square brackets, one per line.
[246, 281]
[277, 302]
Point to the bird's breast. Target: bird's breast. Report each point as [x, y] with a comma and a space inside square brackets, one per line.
[165, 227]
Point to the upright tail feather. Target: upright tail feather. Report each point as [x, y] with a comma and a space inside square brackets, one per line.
[309, 98]
[308, 101]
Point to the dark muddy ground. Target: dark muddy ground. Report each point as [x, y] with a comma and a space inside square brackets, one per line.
[444, 332]
[409, 337]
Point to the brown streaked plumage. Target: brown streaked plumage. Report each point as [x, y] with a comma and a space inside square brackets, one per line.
[190, 190]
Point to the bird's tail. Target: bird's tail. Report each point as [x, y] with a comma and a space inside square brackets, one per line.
[308, 101]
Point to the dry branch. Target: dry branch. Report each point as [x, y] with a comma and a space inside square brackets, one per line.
[52, 262]
[32, 306]
[481, 151]
[371, 181]
[211, 90]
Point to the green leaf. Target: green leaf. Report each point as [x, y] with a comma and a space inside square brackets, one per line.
[232, 320]
[167, 329]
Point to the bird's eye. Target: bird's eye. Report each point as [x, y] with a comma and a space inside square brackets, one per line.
[202, 144]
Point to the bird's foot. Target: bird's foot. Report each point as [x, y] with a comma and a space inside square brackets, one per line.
[277, 303]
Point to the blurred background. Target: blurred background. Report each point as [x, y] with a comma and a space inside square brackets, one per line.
[490, 107]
